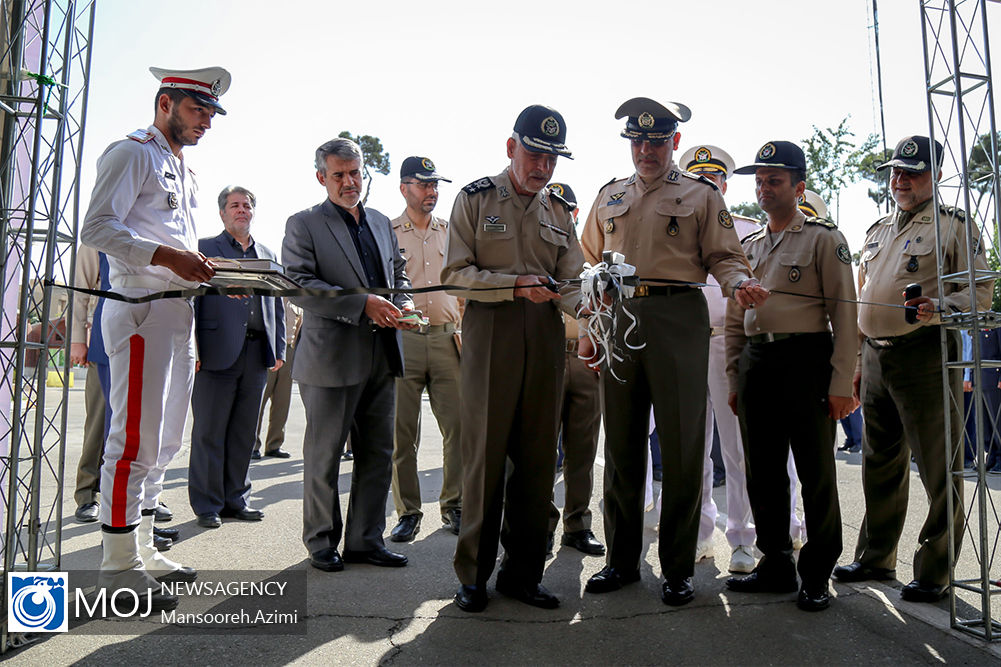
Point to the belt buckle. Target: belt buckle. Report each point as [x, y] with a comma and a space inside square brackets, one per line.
[641, 290]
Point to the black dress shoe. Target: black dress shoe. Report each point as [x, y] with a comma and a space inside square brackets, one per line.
[471, 598]
[242, 514]
[327, 560]
[182, 574]
[533, 594]
[279, 454]
[610, 579]
[814, 600]
[452, 518]
[171, 534]
[755, 582]
[162, 543]
[584, 541]
[209, 520]
[88, 512]
[919, 592]
[678, 591]
[858, 572]
[380, 556]
[255, 456]
[162, 513]
[407, 528]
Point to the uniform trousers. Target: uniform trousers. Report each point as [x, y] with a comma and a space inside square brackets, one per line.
[366, 412]
[224, 405]
[430, 361]
[512, 378]
[669, 372]
[151, 351]
[580, 418]
[903, 415]
[96, 425]
[782, 400]
[277, 395]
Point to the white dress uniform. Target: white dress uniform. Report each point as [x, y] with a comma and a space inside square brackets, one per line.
[143, 198]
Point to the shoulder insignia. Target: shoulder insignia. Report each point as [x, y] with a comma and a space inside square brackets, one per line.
[610, 182]
[481, 185]
[957, 213]
[821, 222]
[701, 179]
[142, 136]
[753, 236]
[877, 223]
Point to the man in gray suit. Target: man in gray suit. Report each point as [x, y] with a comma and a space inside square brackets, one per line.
[348, 354]
[239, 339]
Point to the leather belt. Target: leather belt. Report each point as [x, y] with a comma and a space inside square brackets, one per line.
[892, 341]
[255, 334]
[760, 339]
[434, 329]
[572, 345]
[661, 290]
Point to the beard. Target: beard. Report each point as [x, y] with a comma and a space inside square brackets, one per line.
[178, 130]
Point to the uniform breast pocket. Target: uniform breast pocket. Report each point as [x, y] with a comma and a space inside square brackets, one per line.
[916, 256]
[796, 264]
[607, 217]
[553, 235]
[676, 217]
[166, 194]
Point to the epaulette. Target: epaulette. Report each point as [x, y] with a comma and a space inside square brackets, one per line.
[738, 216]
[610, 182]
[752, 235]
[560, 199]
[957, 213]
[480, 185]
[142, 136]
[701, 179]
[822, 222]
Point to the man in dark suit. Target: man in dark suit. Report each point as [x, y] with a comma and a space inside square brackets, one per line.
[239, 339]
[348, 353]
[990, 388]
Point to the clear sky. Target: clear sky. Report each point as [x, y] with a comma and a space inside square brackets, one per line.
[447, 79]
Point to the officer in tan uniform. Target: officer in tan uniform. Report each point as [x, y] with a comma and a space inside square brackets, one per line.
[508, 231]
[580, 418]
[430, 356]
[670, 225]
[899, 377]
[789, 380]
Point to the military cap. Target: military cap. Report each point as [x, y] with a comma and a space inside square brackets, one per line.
[565, 192]
[651, 120]
[206, 85]
[705, 158]
[542, 130]
[913, 154]
[812, 204]
[421, 169]
[778, 154]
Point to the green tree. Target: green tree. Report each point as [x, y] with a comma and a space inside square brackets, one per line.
[750, 209]
[833, 160]
[982, 169]
[375, 158]
[881, 179]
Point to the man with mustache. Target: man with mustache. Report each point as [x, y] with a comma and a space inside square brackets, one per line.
[346, 360]
[430, 356]
[899, 375]
[510, 234]
[141, 217]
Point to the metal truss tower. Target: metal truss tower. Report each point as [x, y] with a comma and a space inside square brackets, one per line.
[961, 116]
[44, 76]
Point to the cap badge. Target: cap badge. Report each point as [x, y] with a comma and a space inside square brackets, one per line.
[645, 120]
[909, 149]
[801, 199]
[703, 155]
[427, 164]
[767, 151]
[557, 188]
[216, 87]
[550, 127]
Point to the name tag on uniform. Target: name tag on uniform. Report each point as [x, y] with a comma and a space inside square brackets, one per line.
[169, 175]
[870, 246]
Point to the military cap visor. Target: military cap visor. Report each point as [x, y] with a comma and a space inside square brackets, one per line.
[777, 155]
[420, 169]
[649, 119]
[913, 154]
[205, 85]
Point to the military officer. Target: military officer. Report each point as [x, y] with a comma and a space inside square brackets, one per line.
[899, 376]
[781, 356]
[430, 356]
[141, 216]
[509, 232]
[580, 418]
[672, 226]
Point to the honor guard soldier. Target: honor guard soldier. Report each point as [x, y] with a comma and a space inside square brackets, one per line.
[672, 226]
[580, 419]
[430, 356]
[899, 377]
[509, 232]
[716, 164]
[782, 356]
[141, 216]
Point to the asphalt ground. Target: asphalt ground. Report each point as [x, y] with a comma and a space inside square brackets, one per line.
[367, 615]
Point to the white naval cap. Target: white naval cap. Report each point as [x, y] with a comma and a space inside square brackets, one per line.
[206, 84]
[812, 204]
[702, 158]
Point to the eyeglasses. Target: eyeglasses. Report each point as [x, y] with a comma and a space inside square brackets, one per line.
[637, 141]
[424, 185]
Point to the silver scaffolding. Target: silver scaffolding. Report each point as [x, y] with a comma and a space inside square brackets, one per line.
[961, 115]
[44, 77]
